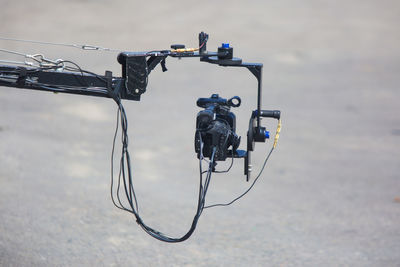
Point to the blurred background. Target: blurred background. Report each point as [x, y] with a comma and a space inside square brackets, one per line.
[330, 194]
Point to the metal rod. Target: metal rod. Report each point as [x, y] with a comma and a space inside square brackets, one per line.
[259, 96]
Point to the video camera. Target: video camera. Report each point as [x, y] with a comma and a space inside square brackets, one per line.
[216, 127]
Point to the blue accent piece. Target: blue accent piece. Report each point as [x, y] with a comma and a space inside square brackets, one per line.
[266, 134]
[225, 45]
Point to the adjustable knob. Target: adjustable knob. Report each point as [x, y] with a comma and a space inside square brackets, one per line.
[225, 51]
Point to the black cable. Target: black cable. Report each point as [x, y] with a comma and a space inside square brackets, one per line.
[200, 208]
[125, 174]
[230, 166]
[73, 63]
[245, 192]
[82, 71]
[56, 88]
[112, 166]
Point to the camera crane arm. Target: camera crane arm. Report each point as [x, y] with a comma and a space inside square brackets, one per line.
[136, 67]
[62, 76]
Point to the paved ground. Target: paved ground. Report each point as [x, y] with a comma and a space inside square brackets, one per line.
[330, 195]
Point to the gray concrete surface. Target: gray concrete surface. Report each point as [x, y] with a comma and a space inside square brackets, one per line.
[329, 197]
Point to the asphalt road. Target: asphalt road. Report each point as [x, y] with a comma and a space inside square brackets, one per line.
[330, 195]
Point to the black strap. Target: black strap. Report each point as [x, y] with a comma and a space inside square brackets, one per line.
[114, 94]
[22, 77]
[163, 67]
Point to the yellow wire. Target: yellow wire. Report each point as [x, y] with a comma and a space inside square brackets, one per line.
[183, 50]
[278, 130]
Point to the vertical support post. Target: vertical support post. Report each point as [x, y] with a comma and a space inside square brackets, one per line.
[256, 69]
[259, 95]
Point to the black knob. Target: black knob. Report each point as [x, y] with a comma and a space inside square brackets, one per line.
[177, 46]
[271, 114]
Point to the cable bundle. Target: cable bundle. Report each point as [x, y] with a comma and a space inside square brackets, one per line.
[125, 183]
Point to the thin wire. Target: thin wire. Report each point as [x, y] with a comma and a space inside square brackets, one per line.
[16, 62]
[230, 166]
[12, 52]
[79, 46]
[38, 58]
[245, 192]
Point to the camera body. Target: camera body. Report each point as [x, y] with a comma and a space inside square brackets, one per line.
[216, 127]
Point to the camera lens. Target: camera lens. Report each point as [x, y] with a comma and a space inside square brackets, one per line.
[204, 118]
